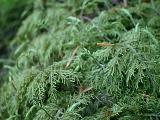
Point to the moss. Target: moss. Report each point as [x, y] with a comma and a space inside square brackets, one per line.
[69, 65]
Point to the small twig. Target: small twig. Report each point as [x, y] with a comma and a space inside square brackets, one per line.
[86, 18]
[72, 56]
[104, 44]
[84, 89]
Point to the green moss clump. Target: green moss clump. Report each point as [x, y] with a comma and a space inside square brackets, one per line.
[74, 63]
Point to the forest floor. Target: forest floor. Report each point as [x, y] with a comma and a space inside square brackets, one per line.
[80, 60]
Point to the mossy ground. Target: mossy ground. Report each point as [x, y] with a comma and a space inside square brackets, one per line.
[84, 60]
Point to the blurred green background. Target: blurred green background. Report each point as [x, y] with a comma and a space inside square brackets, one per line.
[12, 12]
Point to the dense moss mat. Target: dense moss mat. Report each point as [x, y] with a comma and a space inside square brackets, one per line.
[12, 13]
[86, 60]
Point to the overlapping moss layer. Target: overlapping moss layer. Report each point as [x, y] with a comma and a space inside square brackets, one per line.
[85, 60]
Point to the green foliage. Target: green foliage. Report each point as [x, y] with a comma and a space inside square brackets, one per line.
[119, 81]
[12, 12]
